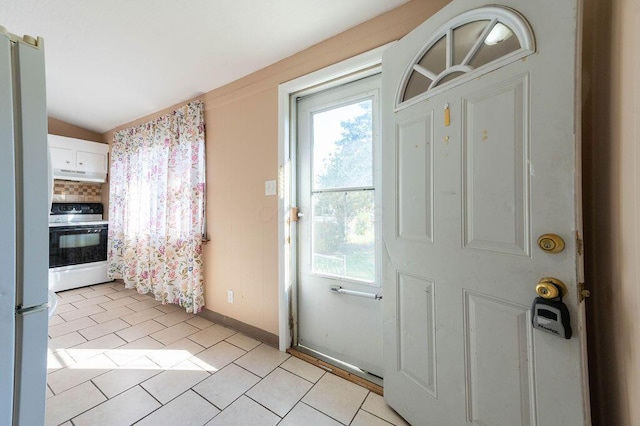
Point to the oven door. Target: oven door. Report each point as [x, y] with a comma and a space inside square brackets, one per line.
[77, 244]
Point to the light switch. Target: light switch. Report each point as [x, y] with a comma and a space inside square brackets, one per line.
[270, 187]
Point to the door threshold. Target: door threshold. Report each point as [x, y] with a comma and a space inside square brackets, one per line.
[354, 375]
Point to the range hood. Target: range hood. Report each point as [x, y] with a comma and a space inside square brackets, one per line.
[79, 175]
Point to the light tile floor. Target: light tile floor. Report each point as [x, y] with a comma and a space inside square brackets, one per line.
[118, 358]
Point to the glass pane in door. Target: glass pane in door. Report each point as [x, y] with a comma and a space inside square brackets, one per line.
[343, 236]
[343, 146]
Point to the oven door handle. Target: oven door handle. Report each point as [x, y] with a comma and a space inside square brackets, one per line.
[91, 228]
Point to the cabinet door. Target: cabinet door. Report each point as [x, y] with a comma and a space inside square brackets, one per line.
[62, 158]
[91, 162]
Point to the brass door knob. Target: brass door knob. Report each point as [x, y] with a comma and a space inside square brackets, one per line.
[551, 243]
[550, 288]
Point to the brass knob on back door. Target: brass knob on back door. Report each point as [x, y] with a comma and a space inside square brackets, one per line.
[550, 288]
[551, 243]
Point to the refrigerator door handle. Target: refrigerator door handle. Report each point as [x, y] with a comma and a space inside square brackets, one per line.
[30, 309]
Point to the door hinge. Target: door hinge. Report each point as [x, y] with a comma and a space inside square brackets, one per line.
[582, 292]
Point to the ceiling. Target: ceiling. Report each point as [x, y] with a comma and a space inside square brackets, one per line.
[109, 62]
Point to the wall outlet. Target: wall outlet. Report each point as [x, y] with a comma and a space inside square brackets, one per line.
[230, 296]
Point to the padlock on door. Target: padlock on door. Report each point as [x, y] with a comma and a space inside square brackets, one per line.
[548, 312]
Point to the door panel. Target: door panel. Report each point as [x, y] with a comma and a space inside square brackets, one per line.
[494, 168]
[416, 343]
[415, 158]
[498, 337]
[495, 146]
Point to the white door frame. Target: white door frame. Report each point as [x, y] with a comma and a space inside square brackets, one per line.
[325, 78]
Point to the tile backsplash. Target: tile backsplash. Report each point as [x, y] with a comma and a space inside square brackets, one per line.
[74, 192]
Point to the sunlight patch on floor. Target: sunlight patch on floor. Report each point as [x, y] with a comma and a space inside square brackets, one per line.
[69, 358]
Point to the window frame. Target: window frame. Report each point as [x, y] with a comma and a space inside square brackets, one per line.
[495, 14]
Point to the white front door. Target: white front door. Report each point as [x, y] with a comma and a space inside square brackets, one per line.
[338, 279]
[479, 160]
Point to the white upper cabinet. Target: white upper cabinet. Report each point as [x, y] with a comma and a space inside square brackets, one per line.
[61, 157]
[79, 160]
[91, 161]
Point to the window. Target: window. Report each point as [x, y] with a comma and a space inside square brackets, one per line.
[342, 192]
[469, 45]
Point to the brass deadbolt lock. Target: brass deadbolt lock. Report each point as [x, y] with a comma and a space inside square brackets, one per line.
[548, 288]
[551, 243]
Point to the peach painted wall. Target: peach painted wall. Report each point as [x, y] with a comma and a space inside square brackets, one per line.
[62, 128]
[611, 130]
[242, 147]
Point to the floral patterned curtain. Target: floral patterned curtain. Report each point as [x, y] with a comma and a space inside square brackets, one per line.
[156, 207]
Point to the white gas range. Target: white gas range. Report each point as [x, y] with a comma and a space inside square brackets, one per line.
[77, 245]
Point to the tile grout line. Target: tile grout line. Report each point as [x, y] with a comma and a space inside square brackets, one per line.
[374, 415]
[149, 393]
[360, 408]
[263, 406]
[88, 409]
[98, 387]
[327, 414]
[178, 396]
[235, 346]
[207, 401]
[362, 403]
[259, 381]
[294, 405]
[97, 405]
[305, 394]
[244, 393]
[297, 375]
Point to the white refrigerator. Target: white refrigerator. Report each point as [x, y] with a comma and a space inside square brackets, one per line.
[24, 236]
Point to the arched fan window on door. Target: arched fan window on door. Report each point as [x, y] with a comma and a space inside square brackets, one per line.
[469, 45]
